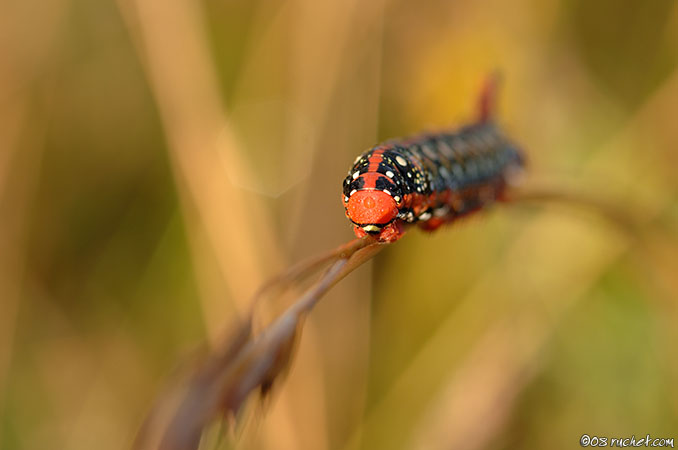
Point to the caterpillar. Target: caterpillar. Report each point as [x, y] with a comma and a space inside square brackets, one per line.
[430, 179]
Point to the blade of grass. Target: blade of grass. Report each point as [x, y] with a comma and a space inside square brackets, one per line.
[242, 363]
[202, 144]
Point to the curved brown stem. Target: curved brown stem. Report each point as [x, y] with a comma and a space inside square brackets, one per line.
[245, 362]
[308, 267]
[612, 212]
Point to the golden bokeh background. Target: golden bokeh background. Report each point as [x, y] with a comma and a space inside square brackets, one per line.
[160, 159]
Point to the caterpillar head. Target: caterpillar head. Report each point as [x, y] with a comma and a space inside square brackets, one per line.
[373, 212]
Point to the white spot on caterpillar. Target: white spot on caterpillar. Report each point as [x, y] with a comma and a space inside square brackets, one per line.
[428, 151]
[442, 211]
[460, 145]
[400, 160]
[390, 174]
[386, 191]
[409, 174]
[397, 198]
[425, 216]
[477, 142]
[371, 228]
[446, 150]
[352, 192]
[514, 175]
[345, 198]
[356, 175]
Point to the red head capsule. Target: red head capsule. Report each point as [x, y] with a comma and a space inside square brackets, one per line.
[374, 212]
[371, 209]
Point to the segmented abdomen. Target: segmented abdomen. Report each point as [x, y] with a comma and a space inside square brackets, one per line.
[435, 178]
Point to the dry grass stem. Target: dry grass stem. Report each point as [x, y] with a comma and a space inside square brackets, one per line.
[202, 145]
[244, 362]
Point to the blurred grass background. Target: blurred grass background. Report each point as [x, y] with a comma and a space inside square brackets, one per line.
[159, 160]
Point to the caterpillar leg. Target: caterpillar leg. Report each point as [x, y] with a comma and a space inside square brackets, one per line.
[432, 224]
